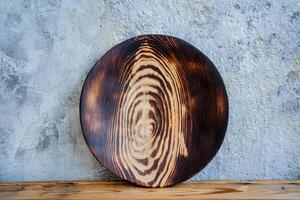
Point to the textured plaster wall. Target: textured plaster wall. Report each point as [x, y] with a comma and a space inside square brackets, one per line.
[48, 46]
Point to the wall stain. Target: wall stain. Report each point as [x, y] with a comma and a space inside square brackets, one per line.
[289, 93]
[10, 44]
[12, 83]
[4, 141]
[47, 140]
[45, 14]
[295, 16]
[49, 136]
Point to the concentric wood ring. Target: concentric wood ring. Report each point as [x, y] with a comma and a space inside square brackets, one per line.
[154, 110]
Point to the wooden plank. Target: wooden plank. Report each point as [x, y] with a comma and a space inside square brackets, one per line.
[281, 189]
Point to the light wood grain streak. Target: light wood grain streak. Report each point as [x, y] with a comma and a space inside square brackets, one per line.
[147, 139]
[281, 189]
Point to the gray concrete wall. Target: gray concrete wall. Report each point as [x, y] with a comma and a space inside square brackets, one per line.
[47, 48]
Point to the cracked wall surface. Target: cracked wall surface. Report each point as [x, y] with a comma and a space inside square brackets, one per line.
[48, 47]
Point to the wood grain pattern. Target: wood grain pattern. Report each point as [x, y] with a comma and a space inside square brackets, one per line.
[154, 110]
[283, 189]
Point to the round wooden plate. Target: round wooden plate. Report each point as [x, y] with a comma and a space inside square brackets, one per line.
[154, 110]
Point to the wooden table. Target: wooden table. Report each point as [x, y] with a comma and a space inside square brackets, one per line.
[281, 189]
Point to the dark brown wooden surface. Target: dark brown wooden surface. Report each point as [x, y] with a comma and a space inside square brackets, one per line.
[154, 110]
[231, 190]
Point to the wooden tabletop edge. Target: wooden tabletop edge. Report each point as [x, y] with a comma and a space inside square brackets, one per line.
[108, 189]
[222, 181]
